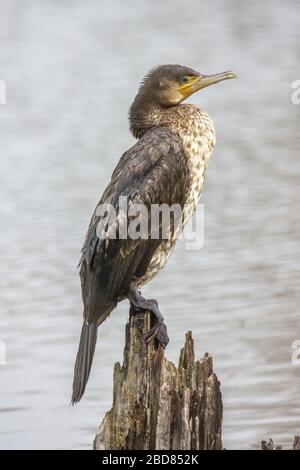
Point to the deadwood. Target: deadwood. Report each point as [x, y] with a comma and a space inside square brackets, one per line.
[157, 405]
[269, 445]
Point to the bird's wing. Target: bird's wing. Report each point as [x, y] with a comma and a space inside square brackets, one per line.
[153, 171]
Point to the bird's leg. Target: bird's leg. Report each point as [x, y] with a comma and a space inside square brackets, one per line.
[159, 330]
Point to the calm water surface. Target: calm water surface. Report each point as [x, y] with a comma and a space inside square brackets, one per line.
[71, 71]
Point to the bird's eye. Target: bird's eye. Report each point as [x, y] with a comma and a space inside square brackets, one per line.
[184, 79]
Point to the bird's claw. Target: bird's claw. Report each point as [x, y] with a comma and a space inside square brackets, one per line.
[158, 332]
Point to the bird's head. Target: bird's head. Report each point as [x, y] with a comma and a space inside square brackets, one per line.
[169, 85]
[163, 88]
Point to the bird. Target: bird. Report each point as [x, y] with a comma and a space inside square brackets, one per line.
[167, 165]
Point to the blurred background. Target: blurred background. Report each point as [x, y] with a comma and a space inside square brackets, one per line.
[71, 70]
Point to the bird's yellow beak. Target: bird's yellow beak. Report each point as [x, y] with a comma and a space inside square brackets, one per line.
[195, 83]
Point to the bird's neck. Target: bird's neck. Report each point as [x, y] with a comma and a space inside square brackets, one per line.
[144, 115]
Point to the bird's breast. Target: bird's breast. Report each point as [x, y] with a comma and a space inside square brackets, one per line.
[198, 136]
[197, 132]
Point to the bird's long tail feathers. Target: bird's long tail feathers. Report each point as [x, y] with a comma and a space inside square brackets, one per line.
[84, 359]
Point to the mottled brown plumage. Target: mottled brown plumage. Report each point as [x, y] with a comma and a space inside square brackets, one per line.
[167, 165]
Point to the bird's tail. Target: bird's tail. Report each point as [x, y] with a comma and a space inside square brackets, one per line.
[84, 359]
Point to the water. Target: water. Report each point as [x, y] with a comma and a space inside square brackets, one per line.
[71, 71]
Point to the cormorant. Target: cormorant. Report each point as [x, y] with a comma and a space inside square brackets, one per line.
[167, 165]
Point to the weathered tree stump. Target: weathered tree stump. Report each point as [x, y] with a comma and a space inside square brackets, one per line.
[269, 445]
[157, 405]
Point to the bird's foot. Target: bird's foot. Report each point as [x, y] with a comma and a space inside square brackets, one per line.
[140, 304]
[159, 333]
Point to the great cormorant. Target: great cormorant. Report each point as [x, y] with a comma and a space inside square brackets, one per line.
[167, 165]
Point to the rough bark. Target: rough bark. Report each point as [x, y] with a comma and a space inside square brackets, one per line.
[269, 445]
[157, 405]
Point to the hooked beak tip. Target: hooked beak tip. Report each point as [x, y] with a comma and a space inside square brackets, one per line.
[232, 75]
